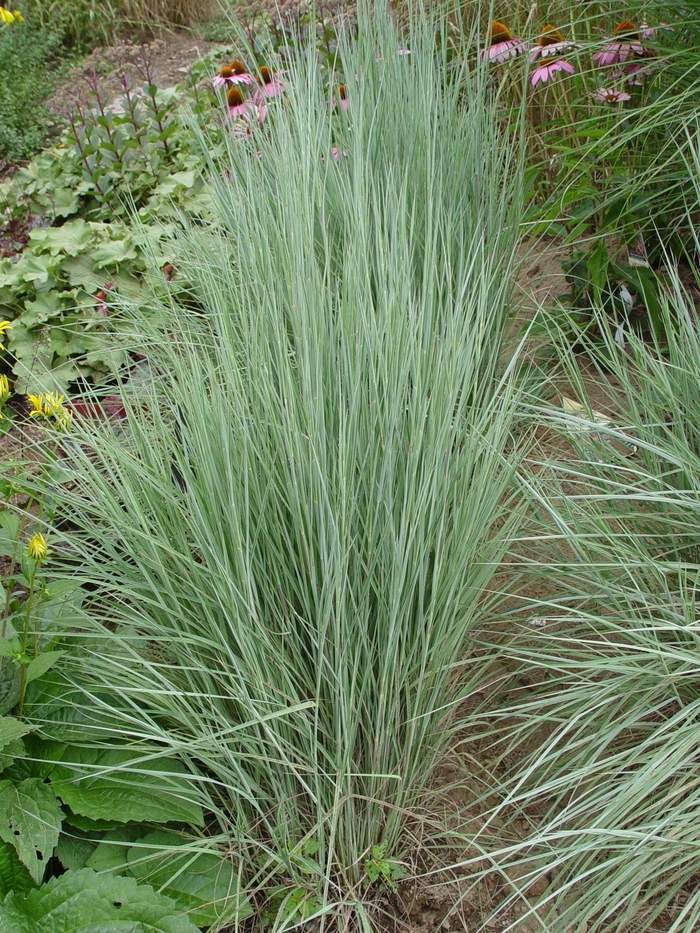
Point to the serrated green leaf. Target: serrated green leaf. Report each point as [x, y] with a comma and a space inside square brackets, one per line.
[62, 710]
[43, 753]
[74, 851]
[202, 883]
[13, 875]
[115, 784]
[87, 825]
[38, 666]
[11, 729]
[10, 753]
[9, 685]
[112, 852]
[30, 820]
[86, 902]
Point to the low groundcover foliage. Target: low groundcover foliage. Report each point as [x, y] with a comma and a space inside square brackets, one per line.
[291, 536]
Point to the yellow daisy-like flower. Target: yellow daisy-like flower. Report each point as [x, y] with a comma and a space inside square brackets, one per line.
[38, 410]
[4, 327]
[50, 406]
[18, 16]
[53, 407]
[6, 16]
[37, 547]
[4, 393]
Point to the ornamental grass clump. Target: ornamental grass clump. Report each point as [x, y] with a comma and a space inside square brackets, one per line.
[603, 716]
[296, 534]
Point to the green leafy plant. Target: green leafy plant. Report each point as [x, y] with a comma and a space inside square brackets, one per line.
[379, 868]
[60, 293]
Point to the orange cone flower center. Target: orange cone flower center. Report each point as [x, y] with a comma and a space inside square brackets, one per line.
[627, 30]
[234, 97]
[265, 74]
[237, 67]
[550, 36]
[500, 32]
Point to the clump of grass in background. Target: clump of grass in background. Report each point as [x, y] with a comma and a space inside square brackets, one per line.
[295, 539]
[605, 734]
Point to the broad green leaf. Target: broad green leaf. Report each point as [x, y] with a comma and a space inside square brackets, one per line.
[70, 238]
[60, 603]
[11, 729]
[9, 755]
[9, 685]
[64, 201]
[47, 305]
[112, 852]
[74, 851]
[114, 784]
[41, 664]
[62, 709]
[33, 268]
[44, 753]
[9, 532]
[202, 883]
[80, 272]
[30, 820]
[7, 648]
[86, 902]
[113, 251]
[13, 875]
[87, 825]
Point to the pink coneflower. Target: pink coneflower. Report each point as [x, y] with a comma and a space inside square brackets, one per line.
[633, 73]
[342, 97]
[503, 44]
[548, 70]
[649, 32]
[625, 45]
[238, 106]
[609, 95]
[269, 85]
[551, 42]
[235, 73]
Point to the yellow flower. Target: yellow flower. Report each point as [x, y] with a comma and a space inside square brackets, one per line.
[4, 389]
[50, 405]
[4, 325]
[6, 16]
[38, 403]
[18, 16]
[53, 406]
[37, 547]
